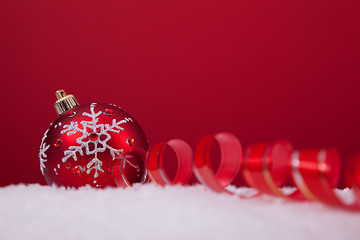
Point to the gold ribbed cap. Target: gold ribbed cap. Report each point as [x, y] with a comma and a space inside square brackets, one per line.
[64, 102]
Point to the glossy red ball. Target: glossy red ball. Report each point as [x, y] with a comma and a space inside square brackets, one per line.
[81, 145]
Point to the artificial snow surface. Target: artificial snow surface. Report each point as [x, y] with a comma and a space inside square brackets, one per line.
[152, 212]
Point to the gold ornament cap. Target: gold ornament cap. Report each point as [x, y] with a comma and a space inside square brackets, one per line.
[64, 102]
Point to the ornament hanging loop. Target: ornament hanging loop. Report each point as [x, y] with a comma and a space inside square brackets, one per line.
[64, 102]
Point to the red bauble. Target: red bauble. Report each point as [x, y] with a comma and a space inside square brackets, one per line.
[82, 144]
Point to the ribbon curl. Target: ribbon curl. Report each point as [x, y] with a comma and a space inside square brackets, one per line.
[265, 167]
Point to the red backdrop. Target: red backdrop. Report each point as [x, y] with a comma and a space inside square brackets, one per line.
[261, 69]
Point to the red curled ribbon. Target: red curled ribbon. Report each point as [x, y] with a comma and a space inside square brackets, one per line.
[230, 162]
[357, 180]
[316, 173]
[265, 167]
[156, 168]
[120, 163]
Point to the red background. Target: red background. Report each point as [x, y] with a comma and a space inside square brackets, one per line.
[261, 69]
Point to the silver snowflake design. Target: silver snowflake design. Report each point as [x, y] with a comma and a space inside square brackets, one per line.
[42, 152]
[93, 140]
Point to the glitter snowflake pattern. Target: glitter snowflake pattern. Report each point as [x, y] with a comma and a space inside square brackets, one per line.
[90, 142]
[42, 152]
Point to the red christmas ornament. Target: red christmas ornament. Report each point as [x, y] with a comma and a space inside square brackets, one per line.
[83, 143]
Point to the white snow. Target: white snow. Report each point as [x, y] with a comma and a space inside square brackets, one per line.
[152, 212]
